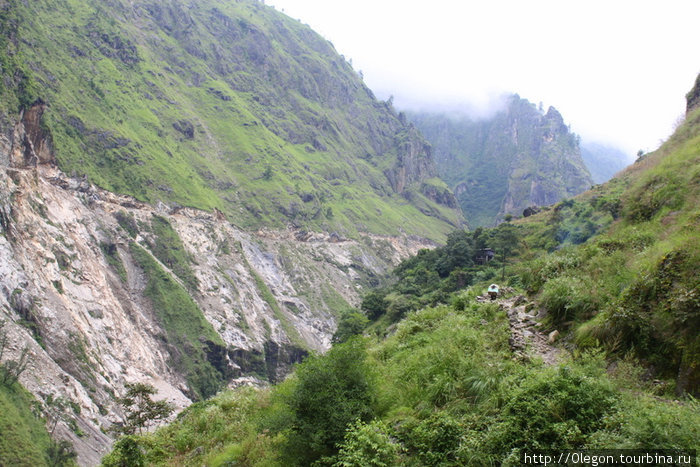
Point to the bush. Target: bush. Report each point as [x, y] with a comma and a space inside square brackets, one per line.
[555, 409]
[642, 422]
[566, 299]
[330, 393]
[350, 324]
[127, 452]
[374, 304]
[434, 441]
[368, 444]
[400, 305]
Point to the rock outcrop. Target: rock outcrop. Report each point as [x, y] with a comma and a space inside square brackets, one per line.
[693, 97]
[519, 157]
[78, 275]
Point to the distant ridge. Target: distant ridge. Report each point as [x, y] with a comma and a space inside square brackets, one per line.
[520, 157]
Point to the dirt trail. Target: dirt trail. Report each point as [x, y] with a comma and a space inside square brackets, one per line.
[526, 339]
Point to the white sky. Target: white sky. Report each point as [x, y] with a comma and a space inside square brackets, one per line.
[617, 70]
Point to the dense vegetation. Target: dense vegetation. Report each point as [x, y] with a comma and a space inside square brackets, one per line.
[442, 390]
[217, 104]
[433, 380]
[500, 165]
[25, 440]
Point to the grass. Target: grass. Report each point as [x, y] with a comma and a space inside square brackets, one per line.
[446, 390]
[168, 248]
[147, 110]
[24, 440]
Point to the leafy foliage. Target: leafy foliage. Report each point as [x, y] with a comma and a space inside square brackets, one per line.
[328, 395]
[368, 444]
[350, 323]
[140, 410]
[432, 275]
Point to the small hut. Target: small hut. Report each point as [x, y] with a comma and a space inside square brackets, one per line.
[485, 255]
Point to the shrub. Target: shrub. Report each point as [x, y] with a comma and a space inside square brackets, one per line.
[554, 409]
[330, 393]
[351, 323]
[566, 298]
[368, 444]
[374, 304]
[127, 451]
[433, 441]
[642, 422]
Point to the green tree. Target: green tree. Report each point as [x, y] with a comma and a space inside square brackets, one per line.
[506, 241]
[374, 304]
[330, 394]
[127, 452]
[140, 409]
[351, 323]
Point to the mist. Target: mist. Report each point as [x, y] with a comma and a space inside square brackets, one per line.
[617, 72]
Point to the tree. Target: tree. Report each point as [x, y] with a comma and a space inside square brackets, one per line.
[374, 304]
[139, 409]
[505, 241]
[350, 323]
[330, 393]
[56, 410]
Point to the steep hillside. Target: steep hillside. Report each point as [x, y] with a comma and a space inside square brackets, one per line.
[632, 286]
[518, 158]
[593, 344]
[215, 105]
[102, 289]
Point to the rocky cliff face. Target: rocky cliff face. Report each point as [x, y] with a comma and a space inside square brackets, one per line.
[518, 158]
[81, 271]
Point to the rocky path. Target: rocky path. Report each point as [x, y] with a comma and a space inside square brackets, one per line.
[526, 339]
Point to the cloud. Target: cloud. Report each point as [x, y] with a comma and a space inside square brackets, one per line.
[617, 71]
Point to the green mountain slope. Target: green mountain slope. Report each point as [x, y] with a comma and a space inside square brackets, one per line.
[633, 286]
[217, 104]
[520, 157]
[449, 384]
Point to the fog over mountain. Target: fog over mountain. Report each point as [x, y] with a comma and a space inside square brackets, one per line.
[604, 161]
[617, 71]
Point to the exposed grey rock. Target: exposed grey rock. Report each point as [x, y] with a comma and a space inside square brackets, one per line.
[268, 294]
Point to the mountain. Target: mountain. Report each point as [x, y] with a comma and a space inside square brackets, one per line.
[501, 165]
[192, 194]
[226, 105]
[592, 344]
[603, 161]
